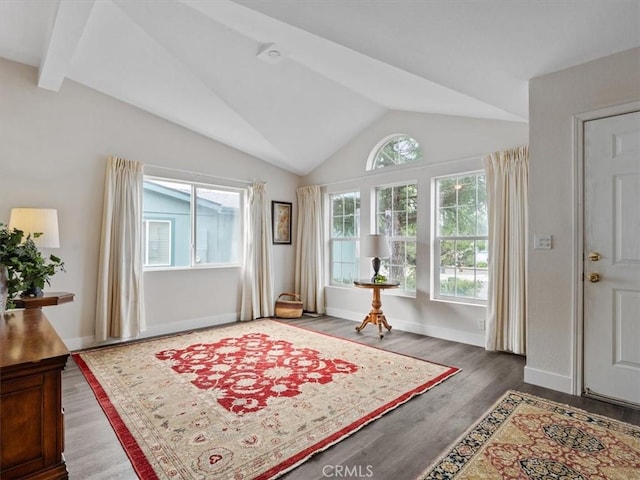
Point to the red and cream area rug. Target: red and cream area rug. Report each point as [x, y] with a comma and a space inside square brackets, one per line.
[528, 438]
[248, 401]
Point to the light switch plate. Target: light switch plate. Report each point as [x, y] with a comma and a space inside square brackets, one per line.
[542, 242]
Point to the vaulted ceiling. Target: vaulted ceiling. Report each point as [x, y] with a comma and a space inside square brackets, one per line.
[292, 81]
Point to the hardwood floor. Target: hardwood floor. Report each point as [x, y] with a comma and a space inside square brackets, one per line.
[397, 446]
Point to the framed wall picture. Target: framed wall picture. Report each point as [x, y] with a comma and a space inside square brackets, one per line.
[281, 226]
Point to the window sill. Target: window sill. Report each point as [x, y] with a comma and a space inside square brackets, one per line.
[457, 301]
[199, 267]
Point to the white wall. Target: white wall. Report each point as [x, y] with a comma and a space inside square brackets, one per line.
[450, 145]
[553, 285]
[53, 151]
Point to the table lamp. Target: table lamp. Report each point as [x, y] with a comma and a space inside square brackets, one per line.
[37, 220]
[376, 246]
[45, 222]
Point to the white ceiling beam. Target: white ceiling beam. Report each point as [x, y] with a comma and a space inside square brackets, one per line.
[67, 29]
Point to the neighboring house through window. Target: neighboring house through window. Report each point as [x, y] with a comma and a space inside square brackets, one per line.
[188, 224]
[460, 243]
[157, 243]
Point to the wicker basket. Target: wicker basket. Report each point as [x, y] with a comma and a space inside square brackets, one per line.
[289, 308]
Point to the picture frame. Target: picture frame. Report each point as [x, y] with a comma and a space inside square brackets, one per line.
[281, 222]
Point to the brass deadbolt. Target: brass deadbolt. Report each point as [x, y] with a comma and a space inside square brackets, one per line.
[593, 277]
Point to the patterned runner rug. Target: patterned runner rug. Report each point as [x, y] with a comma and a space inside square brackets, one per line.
[529, 438]
[248, 401]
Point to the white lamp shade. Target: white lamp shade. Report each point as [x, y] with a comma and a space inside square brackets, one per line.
[37, 220]
[375, 245]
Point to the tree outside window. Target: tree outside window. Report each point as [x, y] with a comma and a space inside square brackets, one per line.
[461, 246]
[397, 218]
[398, 150]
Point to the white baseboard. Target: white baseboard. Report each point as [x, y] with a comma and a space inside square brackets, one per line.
[79, 343]
[553, 381]
[469, 338]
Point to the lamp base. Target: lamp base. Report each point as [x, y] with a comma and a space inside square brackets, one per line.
[32, 292]
[375, 263]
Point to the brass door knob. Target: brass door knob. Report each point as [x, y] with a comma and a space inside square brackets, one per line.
[593, 277]
[594, 256]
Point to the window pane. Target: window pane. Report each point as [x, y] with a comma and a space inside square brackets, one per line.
[383, 224]
[337, 205]
[397, 151]
[217, 226]
[336, 227]
[397, 253]
[398, 227]
[400, 199]
[383, 199]
[170, 201]
[482, 284]
[465, 253]
[448, 221]
[336, 269]
[158, 243]
[344, 262]
[349, 226]
[466, 188]
[349, 204]
[483, 223]
[345, 219]
[467, 221]
[410, 252]
[447, 192]
[447, 253]
[410, 279]
[397, 217]
[462, 216]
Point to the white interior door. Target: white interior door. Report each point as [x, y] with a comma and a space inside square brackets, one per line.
[612, 258]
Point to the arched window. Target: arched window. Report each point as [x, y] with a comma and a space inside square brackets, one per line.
[394, 150]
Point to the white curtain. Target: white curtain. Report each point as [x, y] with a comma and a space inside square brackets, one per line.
[507, 178]
[120, 302]
[257, 276]
[309, 249]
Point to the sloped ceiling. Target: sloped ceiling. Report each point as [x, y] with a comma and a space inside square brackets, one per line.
[341, 63]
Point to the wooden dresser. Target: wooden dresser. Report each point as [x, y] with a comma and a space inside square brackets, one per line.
[32, 358]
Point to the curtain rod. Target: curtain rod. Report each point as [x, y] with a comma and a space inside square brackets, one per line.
[379, 172]
[196, 175]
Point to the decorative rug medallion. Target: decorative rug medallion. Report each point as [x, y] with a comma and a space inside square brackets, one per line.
[530, 438]
[248, 401]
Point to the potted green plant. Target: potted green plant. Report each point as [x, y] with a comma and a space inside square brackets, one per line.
[27, 269]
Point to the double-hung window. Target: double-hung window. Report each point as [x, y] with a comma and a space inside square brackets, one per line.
[188, 224]
[460, 243]
[345, 237]
[397, 217]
